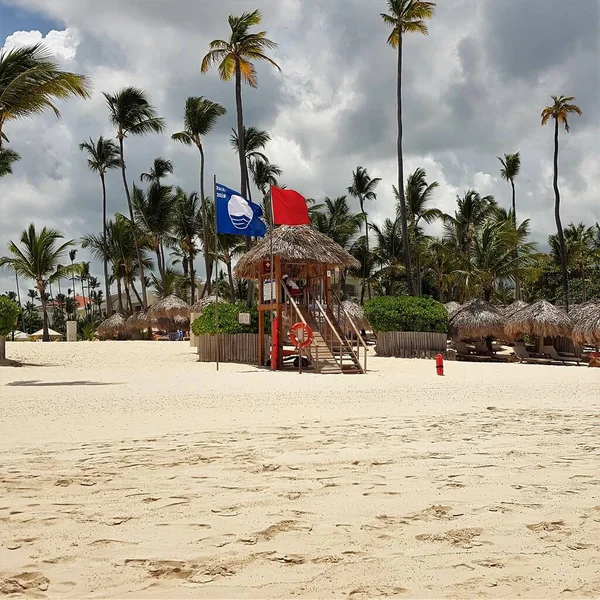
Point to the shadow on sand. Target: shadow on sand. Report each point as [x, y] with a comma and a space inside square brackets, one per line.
[37, 383]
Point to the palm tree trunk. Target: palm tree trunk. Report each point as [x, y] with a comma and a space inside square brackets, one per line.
[136, 294]
[404, 224]
[207, 262]
[559, 229]
[109, 309]
[128, 298]
[159, 261]
[192, 276]
[133, 227]
[46, 335]
[242, 156]
[230, 277]
[362, 293]
[2, 348]
[120, 295]
[583, 285]
[18, 290]
[83, 297]
[73, 281]
[514, 210]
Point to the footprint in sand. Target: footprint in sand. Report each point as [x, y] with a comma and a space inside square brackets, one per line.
[462, 538]
[29, 580]
[376, 592]
[436, 512]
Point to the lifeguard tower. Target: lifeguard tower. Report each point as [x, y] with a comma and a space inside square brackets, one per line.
[311, 260]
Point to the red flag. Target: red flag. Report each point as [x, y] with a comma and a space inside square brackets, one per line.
[289, 207]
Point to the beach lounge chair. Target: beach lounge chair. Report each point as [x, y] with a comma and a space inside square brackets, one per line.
[552, 353]
[525, 357]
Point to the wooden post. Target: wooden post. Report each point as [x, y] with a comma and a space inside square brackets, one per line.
[261, 317]
[279, 304]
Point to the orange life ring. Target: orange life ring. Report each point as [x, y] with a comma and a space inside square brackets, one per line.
[301, 335]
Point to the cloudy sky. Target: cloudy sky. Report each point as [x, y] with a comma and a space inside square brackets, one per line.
[473, 90]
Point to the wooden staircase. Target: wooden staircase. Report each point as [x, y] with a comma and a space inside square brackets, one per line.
[332, 357]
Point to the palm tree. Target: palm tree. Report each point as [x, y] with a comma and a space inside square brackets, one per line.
[388, 253]
[131, 113]
[254, 141]
[366, 258]
[493, 259]
[154, 213]
[559, 111]
[511, 164]
[7, 158]
[39, 259]
[161, 168]
[72, 256]
[186, 226]
[103, 155]
[199, 118]
[405, 16]
[335, 219]
[473, 210]
[31, 80]
[83, 276]
[418, 196]
[230, 246]
[234, 56]
[264, 175]
[363, 188]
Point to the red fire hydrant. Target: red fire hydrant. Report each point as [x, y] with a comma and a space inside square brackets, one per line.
[439, 364]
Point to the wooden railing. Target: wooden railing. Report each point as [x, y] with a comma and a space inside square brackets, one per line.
[359, 338]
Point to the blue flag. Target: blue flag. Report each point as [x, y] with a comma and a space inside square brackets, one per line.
[236, 215]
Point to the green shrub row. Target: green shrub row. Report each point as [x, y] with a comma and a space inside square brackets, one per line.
[406, 313]
[228, 319]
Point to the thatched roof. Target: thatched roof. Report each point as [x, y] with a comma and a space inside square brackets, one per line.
[181, 322]
[114, 325]
[476, 319]
[138, 321]
[169, 306]
[511, 309]
[587, 324]
[297, 244]
[452, 307]
[356, 313]
[199, 306]
[542, 319]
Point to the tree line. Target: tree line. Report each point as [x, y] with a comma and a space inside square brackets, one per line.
[484, 250]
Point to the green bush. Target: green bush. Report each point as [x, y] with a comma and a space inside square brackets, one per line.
[406, 313]
[228, 319]
[9, 313]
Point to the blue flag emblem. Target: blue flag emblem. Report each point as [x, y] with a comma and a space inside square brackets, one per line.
[236, 215]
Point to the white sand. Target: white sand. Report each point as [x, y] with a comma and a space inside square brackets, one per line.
[128, 470]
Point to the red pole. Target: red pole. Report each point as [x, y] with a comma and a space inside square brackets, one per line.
[439, 364]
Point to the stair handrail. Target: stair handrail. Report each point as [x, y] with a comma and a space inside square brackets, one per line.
[359, 338]
[293, 303]
[351, 321]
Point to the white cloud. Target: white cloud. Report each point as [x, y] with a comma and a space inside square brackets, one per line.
[63, 44]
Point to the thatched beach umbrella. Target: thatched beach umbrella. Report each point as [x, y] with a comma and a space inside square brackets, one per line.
[452, 307]
[138, 321]
[199, 306]
[114, 325]
[511, 309]
[477, 319]
[541, 319]
[587, 324]
[356, 313]
[298, 244]
[182, 323]
[169, 307]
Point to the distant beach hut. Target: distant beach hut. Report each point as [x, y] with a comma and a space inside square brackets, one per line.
[169, 307]
[541, 319]
[54, 335]
[476, 319]
[511, 309]
[21, 336]
[137, 322]
[355, 312]
[452, 307]
[201, 304]
[114, 326]
[587, 324]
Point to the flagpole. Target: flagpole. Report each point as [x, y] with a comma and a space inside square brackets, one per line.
[216, 268]
[273, 367]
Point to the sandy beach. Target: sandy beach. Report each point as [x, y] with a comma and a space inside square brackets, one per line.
[129, 470]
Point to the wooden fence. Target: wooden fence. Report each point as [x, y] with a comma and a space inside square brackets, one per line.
[411, 344]
[235, 348]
